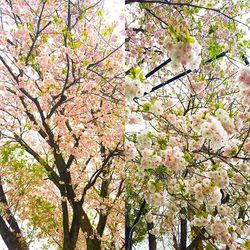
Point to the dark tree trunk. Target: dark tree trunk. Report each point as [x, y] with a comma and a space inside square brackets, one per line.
[9, 227]
[71, 235]
[129, 230]
[67, 246]
[103, 217]
[128, 242]
[93, 244]
[10, 238]
[183, 241]
[196, 243]
[151, 237]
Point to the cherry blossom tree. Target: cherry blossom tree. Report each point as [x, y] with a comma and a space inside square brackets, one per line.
[188, 92]
[61, 123]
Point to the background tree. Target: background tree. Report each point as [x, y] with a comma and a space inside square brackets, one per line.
[188, 166]
[62, 99]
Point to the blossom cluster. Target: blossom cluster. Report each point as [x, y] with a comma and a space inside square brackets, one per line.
[244, 78]
[136, 88]
[174, 159]
[185, 54]
[213, 130]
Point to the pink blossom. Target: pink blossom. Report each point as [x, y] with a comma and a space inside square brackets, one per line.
[244, 77]
[174, 159]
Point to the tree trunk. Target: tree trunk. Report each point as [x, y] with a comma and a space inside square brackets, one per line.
[183, 241]
[128, 241]
[67, 246]
[71, 235]
[93, 244]
[151, 237]
[9, 228]
[10, 238]
[197, 239]
[129, 230]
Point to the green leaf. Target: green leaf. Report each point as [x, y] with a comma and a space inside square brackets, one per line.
[45, 38]
[182, 188]
[81, 16]
[64, 71]
[188, 157]
[189, 38]
[178, 30]
[209, 5]
[246, 43]
[230, 173]
[75, 45]
[218, 105]
[143, 5]
[85, 35]
[146, 107]
[158, 186]
[215, 166]
[55, 19]
[136, 72]
[162, 143]
[100, 13]
[133, 137]
[214, 49]
[172, 31]
[209, 247]
[52, 86]
[230, 229]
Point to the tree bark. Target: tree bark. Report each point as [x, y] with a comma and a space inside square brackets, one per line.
[10, 238]
[75, 225]
[196, 243]
[183, 241]
[103, 217]
[71, 233]
[151, 237]
[130, 230]
[128, 245]
[93, 244]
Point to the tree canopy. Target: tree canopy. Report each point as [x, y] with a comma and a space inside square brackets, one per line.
[61, 98]
[188, 92]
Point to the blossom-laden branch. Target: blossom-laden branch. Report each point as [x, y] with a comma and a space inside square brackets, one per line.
[188, 5]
